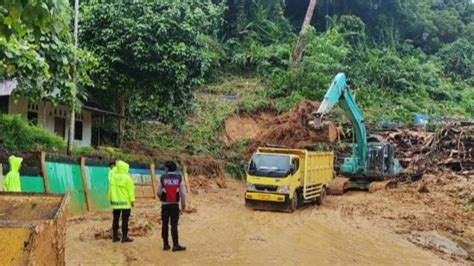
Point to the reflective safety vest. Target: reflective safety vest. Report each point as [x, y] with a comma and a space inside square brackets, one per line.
[11, 182]
[170, 188]
[121, 188]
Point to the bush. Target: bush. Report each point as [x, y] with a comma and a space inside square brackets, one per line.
[17, 134]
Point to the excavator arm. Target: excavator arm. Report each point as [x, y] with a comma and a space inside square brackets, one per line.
[338, 93]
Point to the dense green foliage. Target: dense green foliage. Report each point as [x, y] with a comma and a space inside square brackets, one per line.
[410, 56]
[17, 134]
[401, 57]
[36, 48]
[198, 136]
[154, 52]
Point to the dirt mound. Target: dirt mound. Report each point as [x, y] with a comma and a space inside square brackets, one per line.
[206, 184]
[203, 165]
[291, 129]
[241, 127]
[135, 230]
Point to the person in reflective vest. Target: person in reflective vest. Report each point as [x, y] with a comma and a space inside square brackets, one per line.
[171, 192]
[11, 182]
[122, 197]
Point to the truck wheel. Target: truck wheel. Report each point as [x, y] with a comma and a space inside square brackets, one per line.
[322, 197]
[294, 202]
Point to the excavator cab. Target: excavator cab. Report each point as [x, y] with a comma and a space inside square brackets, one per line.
[381, 162]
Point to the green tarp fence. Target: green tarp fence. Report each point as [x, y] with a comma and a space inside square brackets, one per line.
[32, 184]
[98, 184]
[65, 177]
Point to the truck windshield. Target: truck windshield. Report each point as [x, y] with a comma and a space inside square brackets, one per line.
[269, 165]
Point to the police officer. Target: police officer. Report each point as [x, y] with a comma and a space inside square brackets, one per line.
[11, 182]
[122, 197]
[171, 192]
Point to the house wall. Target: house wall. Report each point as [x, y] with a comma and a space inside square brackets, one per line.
[47, 114]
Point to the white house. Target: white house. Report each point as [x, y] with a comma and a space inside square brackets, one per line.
[53, 118]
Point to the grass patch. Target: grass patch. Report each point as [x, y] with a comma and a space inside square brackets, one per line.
[17, 134]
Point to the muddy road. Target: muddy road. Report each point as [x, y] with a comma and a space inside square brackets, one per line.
[222, 231]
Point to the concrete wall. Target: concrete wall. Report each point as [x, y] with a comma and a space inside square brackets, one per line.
[47, 113]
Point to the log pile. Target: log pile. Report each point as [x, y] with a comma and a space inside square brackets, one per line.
[451, 148]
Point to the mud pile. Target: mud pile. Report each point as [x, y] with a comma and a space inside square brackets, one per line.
[241, 127]
[292, 129]
[203, 165]
[135, 230]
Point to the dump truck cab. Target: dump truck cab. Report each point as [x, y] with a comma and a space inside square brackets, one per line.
[282, 179]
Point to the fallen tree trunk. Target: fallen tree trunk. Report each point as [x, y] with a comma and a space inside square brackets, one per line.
[297, 54]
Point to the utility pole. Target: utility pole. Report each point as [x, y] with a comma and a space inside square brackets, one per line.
[72, 121]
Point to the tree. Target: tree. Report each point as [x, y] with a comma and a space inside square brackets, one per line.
[299, 48]
[458, 59]
[36, 48]
[151, 53]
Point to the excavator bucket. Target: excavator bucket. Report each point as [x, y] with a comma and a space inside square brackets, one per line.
[382, 185]
[325, 132]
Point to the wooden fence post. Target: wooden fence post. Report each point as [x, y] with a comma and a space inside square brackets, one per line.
[153, 179]
[84, 183]
[44, 173]
[1, 177]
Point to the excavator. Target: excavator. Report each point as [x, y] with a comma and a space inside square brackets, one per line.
[372, 165]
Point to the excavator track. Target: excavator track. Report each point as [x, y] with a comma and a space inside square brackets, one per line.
[382, 185]
[337, 185]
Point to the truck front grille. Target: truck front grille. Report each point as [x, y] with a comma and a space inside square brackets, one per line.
[267, 188]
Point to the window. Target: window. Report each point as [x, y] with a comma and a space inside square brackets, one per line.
[33, 117]
[78, 130]
[269, 165]
[4, 104]
[60, 126]
[296, 163]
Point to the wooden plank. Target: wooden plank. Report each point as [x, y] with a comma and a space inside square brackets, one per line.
[153, 179]
[44, 173]
[186, 180]
[84, 183]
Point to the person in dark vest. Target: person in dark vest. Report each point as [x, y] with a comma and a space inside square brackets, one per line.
[171, 192]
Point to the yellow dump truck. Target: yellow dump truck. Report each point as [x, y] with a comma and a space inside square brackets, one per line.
[284, 179]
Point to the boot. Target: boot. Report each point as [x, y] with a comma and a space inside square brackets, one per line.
[166, 246]
[115, 237]
[179, 248]
[127, 239]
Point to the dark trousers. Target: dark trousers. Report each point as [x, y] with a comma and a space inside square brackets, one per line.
[170, 213]
[115, 222]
